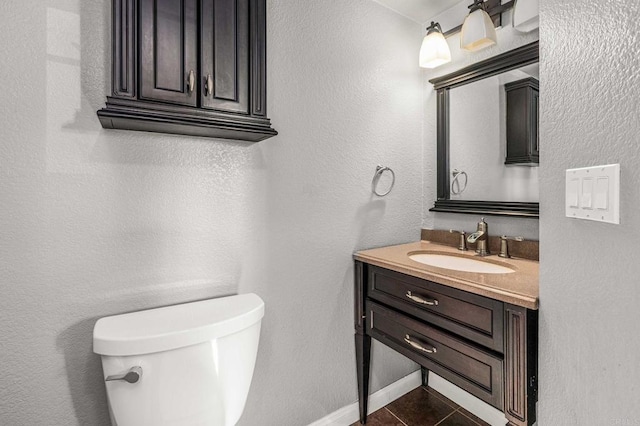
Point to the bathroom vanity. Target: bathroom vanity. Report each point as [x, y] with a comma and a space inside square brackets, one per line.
[477, 330]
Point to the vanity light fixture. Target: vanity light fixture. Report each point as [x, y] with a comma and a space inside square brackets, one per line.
[478, 31]
[434, 50]
[526, 15]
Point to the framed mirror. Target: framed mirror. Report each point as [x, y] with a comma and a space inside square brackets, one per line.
[487, 136]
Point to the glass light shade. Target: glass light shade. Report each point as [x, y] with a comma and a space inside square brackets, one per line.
[434, 50]
[477, 32]
[526, 15]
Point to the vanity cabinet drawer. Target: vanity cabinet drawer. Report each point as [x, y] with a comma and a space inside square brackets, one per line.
[473, 317]
[477, 371]
[473, 369]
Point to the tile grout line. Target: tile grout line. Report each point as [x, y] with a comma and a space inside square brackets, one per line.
[462, 414]
[399, 419]
[455, 407]
[448, 415]
[468, 417]
[442, 398]
[445, 399]
[450, 404]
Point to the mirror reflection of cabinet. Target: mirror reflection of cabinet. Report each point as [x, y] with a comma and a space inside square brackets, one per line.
[522, 122]
[501, 66]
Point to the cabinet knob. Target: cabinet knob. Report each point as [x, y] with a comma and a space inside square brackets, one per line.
[191, 81]
[208, 86]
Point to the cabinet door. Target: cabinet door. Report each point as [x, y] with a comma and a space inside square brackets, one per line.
[518, 143]
[535, 122]
[521, 365]
[168, 46]
[225, 55]
[522, 121]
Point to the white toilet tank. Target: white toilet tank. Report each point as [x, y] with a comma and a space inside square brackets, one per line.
[187, 365]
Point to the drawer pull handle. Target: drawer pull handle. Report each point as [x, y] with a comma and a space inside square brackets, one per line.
[418, 346]
[432, 302]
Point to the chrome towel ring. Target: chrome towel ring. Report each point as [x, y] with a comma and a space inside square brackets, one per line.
[376, 179]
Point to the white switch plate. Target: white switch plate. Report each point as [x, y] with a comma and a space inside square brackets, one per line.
[593, 193]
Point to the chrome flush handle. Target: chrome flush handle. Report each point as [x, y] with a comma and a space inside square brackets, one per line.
[418, 299]
[132, 376]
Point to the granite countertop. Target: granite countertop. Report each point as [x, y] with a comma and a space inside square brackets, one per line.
[518, 288]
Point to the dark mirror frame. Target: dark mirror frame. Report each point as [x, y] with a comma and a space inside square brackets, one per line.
[516, 58]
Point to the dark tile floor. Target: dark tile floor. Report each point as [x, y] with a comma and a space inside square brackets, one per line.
[423, 407]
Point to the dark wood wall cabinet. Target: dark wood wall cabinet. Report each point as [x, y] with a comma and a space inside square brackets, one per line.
[190, 67]
[484, 346]
[522, 122]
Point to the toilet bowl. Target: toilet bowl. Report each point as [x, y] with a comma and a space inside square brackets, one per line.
[181, 365]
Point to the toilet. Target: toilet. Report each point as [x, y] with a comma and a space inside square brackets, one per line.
[183, 365]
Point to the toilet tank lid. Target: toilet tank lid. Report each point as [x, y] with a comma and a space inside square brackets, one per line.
[171, 327]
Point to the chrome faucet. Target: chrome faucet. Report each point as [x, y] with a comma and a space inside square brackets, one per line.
[481, 238]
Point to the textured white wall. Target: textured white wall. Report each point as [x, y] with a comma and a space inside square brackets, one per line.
[508, 39]
[96, 222]
[589, 288]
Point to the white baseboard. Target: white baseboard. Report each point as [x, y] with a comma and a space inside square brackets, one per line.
[467, 401]
[350, 414]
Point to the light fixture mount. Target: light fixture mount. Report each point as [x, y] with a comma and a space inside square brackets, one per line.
[434, 27]
[434, 50]
[478, 29]
[477, 4]
[494, 8]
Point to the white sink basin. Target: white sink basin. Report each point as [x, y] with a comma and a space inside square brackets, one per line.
[458, 263]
